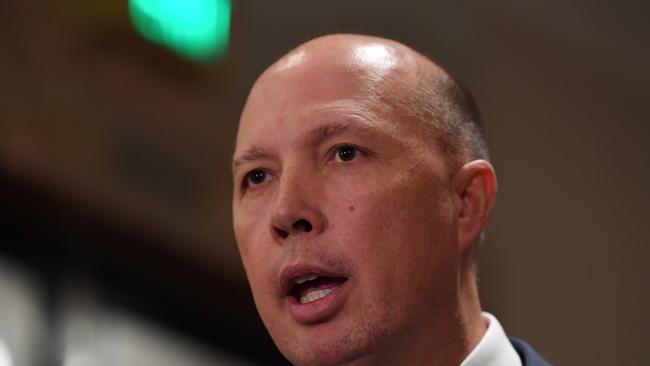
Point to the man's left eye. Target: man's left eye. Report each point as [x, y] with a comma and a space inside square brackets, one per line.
[346, 153]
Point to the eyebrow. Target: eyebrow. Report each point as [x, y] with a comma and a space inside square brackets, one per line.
[251, 154]
[330, 130]
[315, 137]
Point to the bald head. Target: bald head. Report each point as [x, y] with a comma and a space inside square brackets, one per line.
[366, 57]
[401, 81]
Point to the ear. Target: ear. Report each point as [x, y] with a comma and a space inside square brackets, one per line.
[474, 188]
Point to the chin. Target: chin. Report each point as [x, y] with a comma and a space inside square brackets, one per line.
[328, 357]
[326, 350]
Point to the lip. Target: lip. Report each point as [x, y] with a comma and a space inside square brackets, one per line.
[319, 310]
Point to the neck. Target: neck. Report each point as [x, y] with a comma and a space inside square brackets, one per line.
[445, 339]
[474, 324]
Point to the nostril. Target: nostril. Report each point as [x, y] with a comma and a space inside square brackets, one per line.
[302, 224]
[283, 234]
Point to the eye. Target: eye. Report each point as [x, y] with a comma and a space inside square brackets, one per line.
[255, 177]
[346, 153]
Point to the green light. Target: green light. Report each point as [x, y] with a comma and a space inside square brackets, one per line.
[196, 29]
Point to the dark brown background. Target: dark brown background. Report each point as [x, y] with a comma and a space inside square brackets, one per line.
[123, 150]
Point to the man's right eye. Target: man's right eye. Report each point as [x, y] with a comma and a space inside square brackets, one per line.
[255, 177]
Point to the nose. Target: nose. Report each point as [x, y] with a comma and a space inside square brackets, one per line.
[297, 207]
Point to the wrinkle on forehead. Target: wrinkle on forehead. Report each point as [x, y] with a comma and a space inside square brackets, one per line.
[342, 111]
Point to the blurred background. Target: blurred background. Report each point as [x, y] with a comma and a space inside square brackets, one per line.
[117, 125]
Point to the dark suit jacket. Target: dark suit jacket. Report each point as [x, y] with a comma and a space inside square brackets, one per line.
[527, 354]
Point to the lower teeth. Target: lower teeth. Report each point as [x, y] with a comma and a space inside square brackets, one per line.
[314, 295]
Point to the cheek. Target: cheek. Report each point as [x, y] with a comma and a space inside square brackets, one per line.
[260, 264]
[408, 212]
[250, 222]
[256, 247]
[400, 236]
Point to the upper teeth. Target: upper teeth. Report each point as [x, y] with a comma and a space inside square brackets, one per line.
[305, 278]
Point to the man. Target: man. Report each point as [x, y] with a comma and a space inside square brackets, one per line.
[361, 192]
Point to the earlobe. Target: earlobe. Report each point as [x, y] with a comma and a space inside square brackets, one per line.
[475, 187]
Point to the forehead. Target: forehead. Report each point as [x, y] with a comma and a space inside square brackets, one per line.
[301, 91]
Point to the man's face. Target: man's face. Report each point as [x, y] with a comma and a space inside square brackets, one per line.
[342, 211]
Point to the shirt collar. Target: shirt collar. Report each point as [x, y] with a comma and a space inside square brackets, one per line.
[494, 349]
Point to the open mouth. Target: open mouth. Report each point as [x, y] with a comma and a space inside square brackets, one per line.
[312, 287]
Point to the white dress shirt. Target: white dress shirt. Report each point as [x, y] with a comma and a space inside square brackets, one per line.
[494, 349]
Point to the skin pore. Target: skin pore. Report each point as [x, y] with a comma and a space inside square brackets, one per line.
[333, 176]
